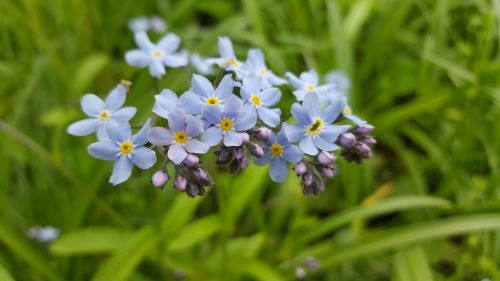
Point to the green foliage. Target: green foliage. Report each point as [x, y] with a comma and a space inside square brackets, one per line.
[426, 207]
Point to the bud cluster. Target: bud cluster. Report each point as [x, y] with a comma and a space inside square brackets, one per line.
[356, 144]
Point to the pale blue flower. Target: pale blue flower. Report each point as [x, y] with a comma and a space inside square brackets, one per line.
[202, 94]
[139, 24]
[307, 83]
[102, 113]
[278, 151]
[43, 234]
[227, 123]
[156, 56]
[227, 59]
[201, 65]
[180, 137]
[165, 102]
[256, 65]
[314, 129]
[125, 149]
[258, 101]
[339, 81]
[347, 112]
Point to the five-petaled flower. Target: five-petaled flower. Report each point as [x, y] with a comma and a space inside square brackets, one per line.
[255, 64]
[227, 123]
[125, 149]
[156, 56]
[258, 101]
[307, 83]
[180, 137]
[278, 151]
[227, 59]
[101, 113]
[313, 129]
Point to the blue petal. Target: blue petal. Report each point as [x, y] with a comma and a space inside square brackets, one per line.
[325, 145]
[225, 47]
[83, 127]
[281, 138]
[292, 154]
[121, 170]
[293, 132]
[105, 150]
[274, 80]
[269, 117]
[193, 126]
[332, 112]
[212, 136]
[165, 102]
[301, 114]
[330, 133]
[92, 105]
[307, 145]
[225, 88]
[217, 61]
[118, 131]
[116, 98]
[212, 114]
[232, 107]
[294, 80]
[124, 114]
[143, 157]
[255, 59]
[160, 136]
[176, 153]
[245, 121]
[270, 96]
[278, 170]
[196, 146]
[300, 94]
[102, 132]
[191, 103]
[169, 43]
[201, 86]
[142, 40]
[157, 69]
[312, 105]
[176, 120]
[310, 77]
[138, 58]
[251, 86]
[176, 60]
[264, 159]
[358, 121]
[141, 137]
[231, 138]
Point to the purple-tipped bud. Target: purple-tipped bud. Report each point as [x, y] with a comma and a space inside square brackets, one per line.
[244, 163]
[200, 174]
[264, 134]
[312, 263]
[245, 138]
[192, 161]
[325, 158]
[347, 140]
[180, 182]
[159, 179]
[365, 130]
[308, 180]
[239, 153]
[327, 172]
[255, 149]
[370, 141]
[320, 187]
[225, 156]
[363, 150]
[300, 168]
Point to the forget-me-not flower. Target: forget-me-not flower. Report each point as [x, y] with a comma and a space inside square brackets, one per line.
[165, 102]
[258, 101]
[202, 94]
[278, 151]
[347, 112]
[156, 56]
[180, 137]
[125, 149]
[227, 59]
[101, 113]
[227, 123]
[314, 129]
[307, 83]
[201, 65]
[256, 65]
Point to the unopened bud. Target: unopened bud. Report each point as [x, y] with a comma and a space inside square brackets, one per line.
[300, 168]
[264, 134]
[327, 172]
[200, 174]
[312, 263]
[239, 153]
[159, 179]
[363, 149]
[225, 157]
[244, 163]
[245, 138]
[255, 149]
[370, 141]
[308, 179]
[180, 182]
[192, 160]
[365, 130]
[347, 140]
[325, 158]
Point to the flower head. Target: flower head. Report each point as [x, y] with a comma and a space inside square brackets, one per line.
[307, 83]
[227, 59]
[102, 113]
[278, 151]
[125, 149]
[156, 56]
[180, 136]
[314, 129]
[258, 101]
[226, 123]
[256, 65]
[165, 102]
[201, 65]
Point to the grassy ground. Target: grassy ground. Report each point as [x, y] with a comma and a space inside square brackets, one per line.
[426, 207]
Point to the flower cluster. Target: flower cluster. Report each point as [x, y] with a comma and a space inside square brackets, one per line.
[236, 112]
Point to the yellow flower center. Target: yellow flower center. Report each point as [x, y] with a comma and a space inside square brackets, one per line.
[255, 100]
[310, 88]
[157, 54]
[347, 110]
[126, 147]
[276, 149]
[104, 115]
[212, 101]
[180, 137]
[226, 124]
[263, 71]
[231, 61]
[315, 127]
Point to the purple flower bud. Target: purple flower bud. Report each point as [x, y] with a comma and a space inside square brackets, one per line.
[159, 179]
[200, 174]
[264, 134]
[312, 263]
[319, 187]
[308, 179]
[180, 182]
[370, 141]
[191, 161]
[327, 172]
[245, 138]
[255, 149]
[244, 163]
[365, 130]
[347, 140]
[325, 158]
[300, 168]
[192, 190]
[363, 150]
[225, 156]
[239, 153]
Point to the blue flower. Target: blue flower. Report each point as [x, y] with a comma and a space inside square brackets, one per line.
[139, 24]
[165, 102]
[339, 81]
[257, 101]
[156, 56]
[227, 59]
[308, 83]
[125, 149]
[313, 128]
[256, 65]
[180, 137]
[279, 151]
[347, 112]
[227, 123]
[201, 65]
[101, 113]
[202, 94]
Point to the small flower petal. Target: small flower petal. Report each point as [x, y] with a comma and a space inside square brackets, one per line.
[324, 145]
[138, 58]
[292, 154]
[196, 146]
[141, 137]
[269, 117]
[160, 136]
[307, 145]
[165, 102]
[231, 138]
[176, 60]
[119, 131]
[193, 126]
[191, 103]
[176, 120]
[278, 170]
[157, 69]
[92, 105]
[143, 157]
[293, 132]
[201, 86]
[124, 114]
[169, 43]
[83, 127]
[212, 136]
[176, 153]
[122, 170]
[104, 150]
[142, 40]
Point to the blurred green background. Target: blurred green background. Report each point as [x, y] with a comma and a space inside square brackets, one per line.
[426, 207]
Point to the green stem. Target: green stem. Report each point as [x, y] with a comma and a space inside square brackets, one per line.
[219, 76]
